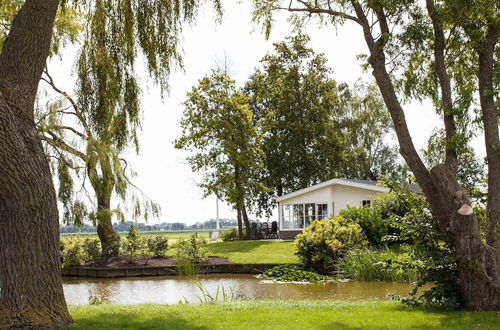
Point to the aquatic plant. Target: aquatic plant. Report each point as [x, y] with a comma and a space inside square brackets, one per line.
[292, 273]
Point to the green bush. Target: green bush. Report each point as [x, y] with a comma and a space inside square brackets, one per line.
[229, 235]
[133, 245]
[73, 254]
[189, 254]
[158, 246]
[92, 248]
[370, 220]
[292, 273]
[431, 252]
[324, 242]
[377, 265]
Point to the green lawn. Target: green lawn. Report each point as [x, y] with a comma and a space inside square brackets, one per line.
[254, 252]
[277, 315]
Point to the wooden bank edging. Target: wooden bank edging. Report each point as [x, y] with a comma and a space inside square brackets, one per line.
[103, 272]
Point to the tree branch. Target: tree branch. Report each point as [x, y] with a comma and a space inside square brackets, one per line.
[57, 142]
[315, 10]
[445, 85]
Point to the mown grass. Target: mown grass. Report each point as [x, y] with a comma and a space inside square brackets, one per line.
[254, 252]
[277, 315]
[376, 265]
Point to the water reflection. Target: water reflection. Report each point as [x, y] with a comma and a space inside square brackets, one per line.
[172, 289]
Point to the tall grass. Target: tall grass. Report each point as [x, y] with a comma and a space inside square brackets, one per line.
[381, 264]
[221, 294]
[186, 267]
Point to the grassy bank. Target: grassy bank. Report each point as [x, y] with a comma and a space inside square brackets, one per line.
[277, 315]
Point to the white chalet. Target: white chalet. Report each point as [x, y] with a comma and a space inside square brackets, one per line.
[298, 209]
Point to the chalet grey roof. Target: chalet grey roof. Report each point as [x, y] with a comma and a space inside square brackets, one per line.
[356, 183]
[412, 186]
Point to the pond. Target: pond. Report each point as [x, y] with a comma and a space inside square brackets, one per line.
[172, 289]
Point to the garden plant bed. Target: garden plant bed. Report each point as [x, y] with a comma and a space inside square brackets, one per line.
[120, 267]
[141, 262]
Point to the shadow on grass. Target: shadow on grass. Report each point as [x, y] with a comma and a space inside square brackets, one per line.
[131, 320]
[457, 319]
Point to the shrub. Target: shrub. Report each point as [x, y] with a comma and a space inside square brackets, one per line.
[74, 254]
[133, 244]
[113, 245]
[92, 248]
[158, 246]
[189, 255]
[325, 241]
[292, 273]
[370, 220]
[229, 235]
[376, 265]
[431, 253]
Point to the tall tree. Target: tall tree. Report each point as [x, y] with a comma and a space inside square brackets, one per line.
[314, 128]
[30, 274]
[78, 156]
[217, 126]
[31, 288]
[453, 47]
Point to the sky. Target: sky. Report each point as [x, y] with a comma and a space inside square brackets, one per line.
[162, 171]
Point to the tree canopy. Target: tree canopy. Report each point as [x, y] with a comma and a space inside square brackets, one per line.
[313, 127]
[218, 128]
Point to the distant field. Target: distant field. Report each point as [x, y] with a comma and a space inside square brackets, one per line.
[153, 232]
[171, 235]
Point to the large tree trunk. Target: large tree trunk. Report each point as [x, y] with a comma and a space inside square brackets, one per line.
[30, 272]
[31, 294]
[491, 134]
[110, 240]
[477, 263]
[240, 223]
[248, 230]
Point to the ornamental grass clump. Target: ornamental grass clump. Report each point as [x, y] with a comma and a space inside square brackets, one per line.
[381, 264]
[325, 241]
[292, 273]
[189, 255]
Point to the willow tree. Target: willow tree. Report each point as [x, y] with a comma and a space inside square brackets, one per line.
[445, 51]
[80, 158]
[218, 128]
[120, 31]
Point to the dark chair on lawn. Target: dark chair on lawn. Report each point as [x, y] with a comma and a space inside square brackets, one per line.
[253, 230]
[265, 230]
[274, 230]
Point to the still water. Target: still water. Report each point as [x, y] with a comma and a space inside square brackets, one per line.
[172, 289]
